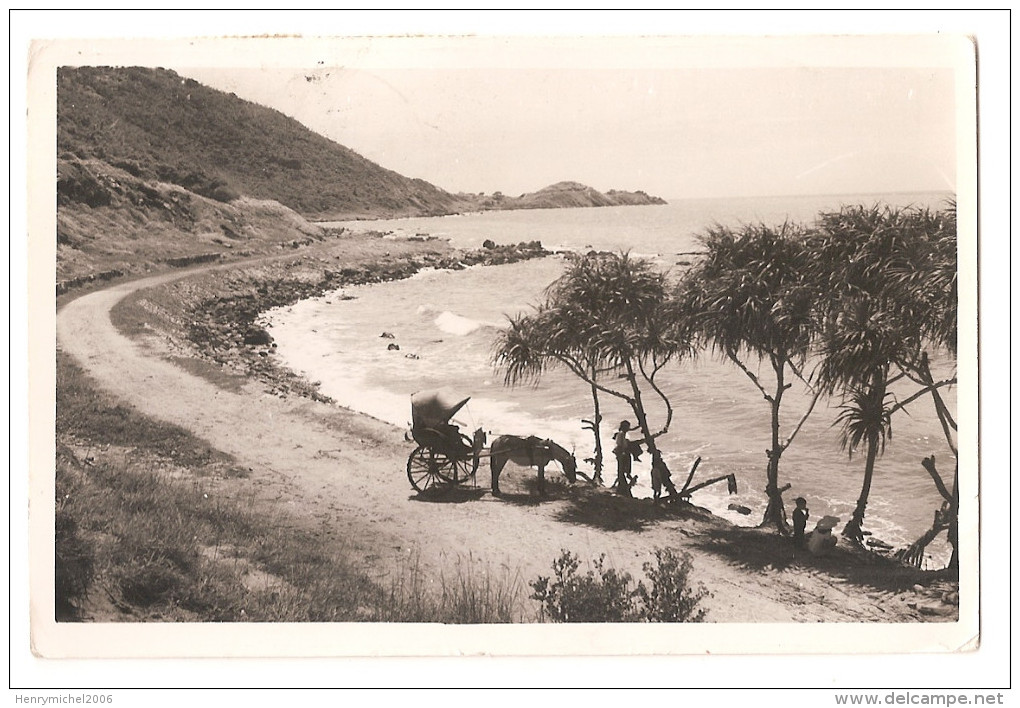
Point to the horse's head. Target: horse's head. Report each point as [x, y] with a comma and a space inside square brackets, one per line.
[569, 463]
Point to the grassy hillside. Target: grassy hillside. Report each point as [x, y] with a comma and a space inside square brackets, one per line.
[112, 223]
[156, 170]
[156, 124]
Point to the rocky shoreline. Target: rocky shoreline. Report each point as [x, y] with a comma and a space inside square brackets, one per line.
[217, 316]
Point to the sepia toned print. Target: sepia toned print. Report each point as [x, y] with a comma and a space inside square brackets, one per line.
[439, 340]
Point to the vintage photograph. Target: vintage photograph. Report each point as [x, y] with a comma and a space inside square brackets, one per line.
[434, 338]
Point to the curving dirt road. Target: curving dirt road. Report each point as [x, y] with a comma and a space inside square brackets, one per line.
[348, 471]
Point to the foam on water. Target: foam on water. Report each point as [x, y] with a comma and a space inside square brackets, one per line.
[457, 325]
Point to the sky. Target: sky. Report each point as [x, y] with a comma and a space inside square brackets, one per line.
[690, 117]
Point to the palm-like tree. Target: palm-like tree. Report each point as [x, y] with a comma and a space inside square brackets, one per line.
[877, 266]
[751, 297]
[857, 358]
[529, 344]
[932, 280]
[603, 321]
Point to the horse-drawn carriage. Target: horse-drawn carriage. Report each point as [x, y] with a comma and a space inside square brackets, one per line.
[445, 457]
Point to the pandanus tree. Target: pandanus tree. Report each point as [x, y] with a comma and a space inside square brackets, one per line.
[531, 343]
[858, 351]
[932, 279]
[751, 299]
[602, 320]
[889, 276]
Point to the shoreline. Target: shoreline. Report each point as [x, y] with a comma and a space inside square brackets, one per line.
[727, 557]
[223, 320]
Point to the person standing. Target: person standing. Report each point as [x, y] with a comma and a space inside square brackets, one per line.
[661, 478]
[800, 517]
[622, 450]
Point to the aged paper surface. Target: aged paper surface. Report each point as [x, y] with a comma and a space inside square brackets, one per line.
[84, 640]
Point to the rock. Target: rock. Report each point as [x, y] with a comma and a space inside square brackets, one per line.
[411, 356]
[488, 243]
[258, 337]
[739, 509]
[393, 347]
[387, 335]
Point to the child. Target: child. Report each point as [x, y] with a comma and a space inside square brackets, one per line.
[661, 478]
[800, 517]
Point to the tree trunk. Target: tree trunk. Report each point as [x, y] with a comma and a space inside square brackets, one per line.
[853, 528]
[954, 506]
[940, 407]
[954, 522]
[596, 431]
[639, 412]
[775, 512]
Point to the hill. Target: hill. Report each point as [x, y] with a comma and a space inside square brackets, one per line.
[159, 125]
[155, 169]
[566, 195]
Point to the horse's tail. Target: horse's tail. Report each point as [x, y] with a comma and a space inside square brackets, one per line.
[497, 459]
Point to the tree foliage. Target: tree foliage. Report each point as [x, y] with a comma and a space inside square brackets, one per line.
[752, 299]
[890, 279]
[603, 320]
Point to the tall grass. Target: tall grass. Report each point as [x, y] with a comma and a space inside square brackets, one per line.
[473, 594]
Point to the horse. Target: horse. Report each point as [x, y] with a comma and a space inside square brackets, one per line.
[529, 452]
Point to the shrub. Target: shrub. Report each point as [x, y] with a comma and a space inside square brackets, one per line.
[671, 598]
[75, 183]
[602, 595]
[605, 594]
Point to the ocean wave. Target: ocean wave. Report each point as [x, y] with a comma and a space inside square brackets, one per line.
[456, 325]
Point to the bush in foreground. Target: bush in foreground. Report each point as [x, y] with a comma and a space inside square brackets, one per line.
[671, 597]
[607, 595]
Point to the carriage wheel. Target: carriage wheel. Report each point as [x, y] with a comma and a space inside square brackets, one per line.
[427, 468]
[463, 470]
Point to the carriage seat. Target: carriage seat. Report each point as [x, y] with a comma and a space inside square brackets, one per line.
[443, 437]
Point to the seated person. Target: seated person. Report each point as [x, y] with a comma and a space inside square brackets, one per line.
[821, 541]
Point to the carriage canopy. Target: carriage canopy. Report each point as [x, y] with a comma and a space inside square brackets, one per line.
[431, 409]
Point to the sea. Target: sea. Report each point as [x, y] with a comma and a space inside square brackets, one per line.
[444, 325]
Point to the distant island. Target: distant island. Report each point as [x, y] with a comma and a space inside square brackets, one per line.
[563, 195]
